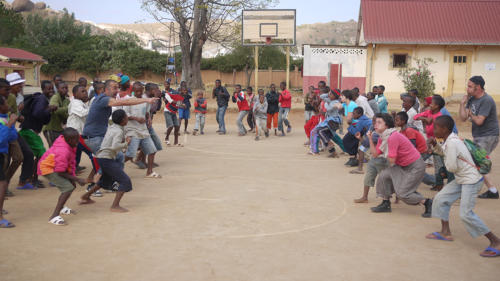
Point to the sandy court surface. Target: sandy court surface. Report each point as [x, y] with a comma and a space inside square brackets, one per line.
[230, 208]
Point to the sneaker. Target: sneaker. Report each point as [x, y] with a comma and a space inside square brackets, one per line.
[349, 162]
[289, 129]
[354, 163]
[266, 134]
[257, 138]
[9, 193]
[282, 134]
[384, 207]
[428, 208]
[489, 195]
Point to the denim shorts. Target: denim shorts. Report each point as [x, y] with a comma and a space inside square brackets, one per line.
[94, 143]
[147, 146]
[184, 113]
[171, 119]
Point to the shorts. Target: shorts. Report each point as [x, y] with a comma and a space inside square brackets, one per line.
[34, 141]
[489, 143]
[3, 166]
[171, 119]
[184, 113]
[63, 184]
[112, 170]
[147, 146]
[155, 138]
[94, 144]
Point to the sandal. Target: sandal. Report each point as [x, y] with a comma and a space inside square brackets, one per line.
[492, 253]
[58, 220]
[67, 211]
[153, 175]
[179, 145]
[167, 142]
[27, 186]
[6, 224]
[438, 236]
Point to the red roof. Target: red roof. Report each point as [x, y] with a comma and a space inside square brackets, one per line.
[453, 22]
[9, 65]
[18, 54]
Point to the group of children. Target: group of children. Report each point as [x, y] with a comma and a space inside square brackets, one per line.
[398, 146]
[72, 125]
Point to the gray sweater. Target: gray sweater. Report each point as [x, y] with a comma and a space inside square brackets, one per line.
[260, 109]
[112, 143]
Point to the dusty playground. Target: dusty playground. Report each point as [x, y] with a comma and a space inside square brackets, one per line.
[231, 208]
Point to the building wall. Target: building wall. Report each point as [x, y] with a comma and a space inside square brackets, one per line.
[442, 69]
[318, 58]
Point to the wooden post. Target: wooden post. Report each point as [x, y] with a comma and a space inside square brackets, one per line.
[288, 67]
[256, 58]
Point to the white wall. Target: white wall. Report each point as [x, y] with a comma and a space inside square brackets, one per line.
[316, 60]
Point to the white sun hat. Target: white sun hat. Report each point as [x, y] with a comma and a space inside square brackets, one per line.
[14, 78]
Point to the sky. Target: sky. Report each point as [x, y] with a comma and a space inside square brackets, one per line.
[98, 11]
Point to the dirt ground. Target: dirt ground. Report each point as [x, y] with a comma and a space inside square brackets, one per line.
[230, 208]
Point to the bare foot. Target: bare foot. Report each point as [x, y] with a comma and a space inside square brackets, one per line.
[118, 209]
[86, 201]
[361, 200]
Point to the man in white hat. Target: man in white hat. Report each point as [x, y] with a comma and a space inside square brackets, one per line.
[17, 82]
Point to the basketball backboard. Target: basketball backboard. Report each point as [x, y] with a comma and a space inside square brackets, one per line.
[268, 27]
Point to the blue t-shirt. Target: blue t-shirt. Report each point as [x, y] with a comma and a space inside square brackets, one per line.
[382, 104]
[349, 108]
[97, 120]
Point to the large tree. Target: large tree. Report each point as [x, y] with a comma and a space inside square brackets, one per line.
[199, 21]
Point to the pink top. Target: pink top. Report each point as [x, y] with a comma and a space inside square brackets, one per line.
[429, 128]
[401, 149]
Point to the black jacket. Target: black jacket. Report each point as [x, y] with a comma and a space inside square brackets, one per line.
[38, 113]
[222, 96]
[273, 100]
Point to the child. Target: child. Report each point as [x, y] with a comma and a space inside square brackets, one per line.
[252, 98]
[466, 186]
[240, 99]
[200, 108]
[309, 109]
[184, 113]
[273, 109]
[112, 170]
[8, 134]
[37, 113]
[137, 131]
[58, 165]
[427, 117]
[408, 107]
[354, 132]
[332, 104]
[312, 123]
[260, 113]
[285, 100]
[57, 118]
[173, 102]
[381, 100]
[372, 102]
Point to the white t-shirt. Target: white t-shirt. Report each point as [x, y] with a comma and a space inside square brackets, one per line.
[362, 101]
[77, 114]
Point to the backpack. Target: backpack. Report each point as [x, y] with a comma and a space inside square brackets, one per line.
[481, 159]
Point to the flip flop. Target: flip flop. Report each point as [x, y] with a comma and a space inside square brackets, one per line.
[58, 220]
[67, 211]
[153, 175]
[496, 253]
[438, 236]
[6, 224]
[27, 186]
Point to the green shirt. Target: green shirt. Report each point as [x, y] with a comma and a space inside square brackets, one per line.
[11, 103]
[58, 117]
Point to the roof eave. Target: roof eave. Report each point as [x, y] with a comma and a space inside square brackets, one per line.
[434, 43]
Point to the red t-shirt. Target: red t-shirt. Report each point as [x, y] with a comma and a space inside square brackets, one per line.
[429, 128]
[401, 149]
[241, 101]
[286, 99]
[173, 106]
[413, 134]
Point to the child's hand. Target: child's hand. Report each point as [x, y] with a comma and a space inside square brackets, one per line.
[128, 139]
[52, 108]
[369, 134]
[432, 141]
[140, 120]
[12, 119]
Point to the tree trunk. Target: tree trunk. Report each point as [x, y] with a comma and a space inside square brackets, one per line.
[248, 73]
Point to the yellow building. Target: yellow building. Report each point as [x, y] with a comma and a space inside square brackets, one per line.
[462, 37]
[23, 62]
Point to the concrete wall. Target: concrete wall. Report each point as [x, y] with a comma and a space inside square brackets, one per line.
[266, 77]
[318, 58]
[477, 57]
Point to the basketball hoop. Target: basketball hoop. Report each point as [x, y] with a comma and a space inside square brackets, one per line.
[268, 40]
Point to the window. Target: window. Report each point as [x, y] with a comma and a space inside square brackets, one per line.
[459, 59]
[399, 60]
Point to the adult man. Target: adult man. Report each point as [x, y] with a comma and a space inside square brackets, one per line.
[100, 111]
[480, 108]
[56, 80]
[220, 93]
